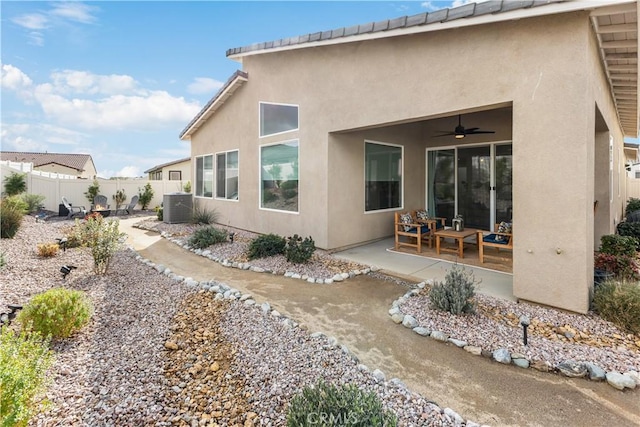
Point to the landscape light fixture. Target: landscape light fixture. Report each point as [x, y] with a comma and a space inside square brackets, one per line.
[6, 318]
[66, 269]
[524, 321]
[63, 243]
[231, 236]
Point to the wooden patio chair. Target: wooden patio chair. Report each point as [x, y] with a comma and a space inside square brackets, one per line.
[498, 239]
[408, 232]
[434, 223]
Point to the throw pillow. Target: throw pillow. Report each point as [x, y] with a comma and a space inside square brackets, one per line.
[406, 218]
[503, 227]
[423, 215]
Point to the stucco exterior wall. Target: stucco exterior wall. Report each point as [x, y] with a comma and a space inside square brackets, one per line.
[183, 167]
[537, 82]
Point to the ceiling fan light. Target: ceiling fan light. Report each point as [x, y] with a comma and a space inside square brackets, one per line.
[459, 135]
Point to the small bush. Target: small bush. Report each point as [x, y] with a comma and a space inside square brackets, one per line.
[92, 191]
[102, 237]
[15, 202]
[187, 187]
[266, 245]
[347, 405]
[268, 196]
[202, 215]
[48, 250]
[24, 360]
[614, 244]
[456, 294]
[120, 197]
[619, 303]
[145, 196]
[631, 229]
[160, 213]
[33, 201]
[12, 210]
[15, 184]
[56, 313]
[207, 236]
[633, 204]
[289, 194]
[298, 250]
[622, 266]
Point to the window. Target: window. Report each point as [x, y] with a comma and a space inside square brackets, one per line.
[277, 118]
[227, 175]
[383, 176]
[155, 176]
[204, 176]
[279, 176]
[175, 175]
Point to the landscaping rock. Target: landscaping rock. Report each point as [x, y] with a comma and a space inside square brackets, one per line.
[620, 381]
[573, 369]
[502, 355]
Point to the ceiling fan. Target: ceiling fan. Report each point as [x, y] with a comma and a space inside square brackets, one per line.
[460, 132]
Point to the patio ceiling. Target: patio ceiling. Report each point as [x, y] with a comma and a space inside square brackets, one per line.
[616, 28]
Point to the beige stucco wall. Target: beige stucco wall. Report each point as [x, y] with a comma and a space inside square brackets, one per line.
[539, 80]
[183, 167]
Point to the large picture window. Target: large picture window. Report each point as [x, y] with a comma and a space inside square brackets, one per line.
[279, 176]
[277, 118]
[383, 176]
[204, 176]
[227, 175]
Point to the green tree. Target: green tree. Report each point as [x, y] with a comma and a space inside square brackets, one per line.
[145, 196]
[92, 191]
[15, 184]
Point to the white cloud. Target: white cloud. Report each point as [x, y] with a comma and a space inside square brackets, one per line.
[12, 78]
[39, 137]
[31, 21]
[129, 171]
[88, 83]
[74, 11]
[203, 85]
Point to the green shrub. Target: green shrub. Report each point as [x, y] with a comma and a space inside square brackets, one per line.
[289, 185]
[633, 204]
[56, 313]
[631, 229]
[187, 187]
[268, 196]
[160, 213]
[619, 303]
[207, 236]
[622, 266]
[347, 405]
[33, 201]
[102, 237]
[12, 210]
[266, 245]
[145, 196]
[456, 294]
[15, 183]
[614, 244]
[92, 191]
[298, 250]
[202, 215]
[24, 360]
[289, 194]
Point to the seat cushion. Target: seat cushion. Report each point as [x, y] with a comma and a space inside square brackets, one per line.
[495, 238]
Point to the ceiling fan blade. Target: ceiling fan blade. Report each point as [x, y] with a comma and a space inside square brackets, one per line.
[445, 134]
[480, 131]
[471, 130]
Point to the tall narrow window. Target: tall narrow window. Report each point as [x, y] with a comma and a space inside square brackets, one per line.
[279, 176]
[227, 175]
[204, 176]
[383, 176]
[277, 118]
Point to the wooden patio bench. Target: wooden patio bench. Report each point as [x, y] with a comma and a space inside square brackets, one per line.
[416, 231]
[496, 239]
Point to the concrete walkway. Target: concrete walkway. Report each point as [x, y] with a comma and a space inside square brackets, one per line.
[355, 312]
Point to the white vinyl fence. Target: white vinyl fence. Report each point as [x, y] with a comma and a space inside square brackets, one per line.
[54, 188]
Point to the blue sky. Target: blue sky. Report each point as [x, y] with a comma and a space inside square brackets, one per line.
[120, 80]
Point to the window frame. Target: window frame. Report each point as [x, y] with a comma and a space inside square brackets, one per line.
[260, 126]
[260, 181]
[365, 170]
[215, 178]
[203, 156]
[171, 172]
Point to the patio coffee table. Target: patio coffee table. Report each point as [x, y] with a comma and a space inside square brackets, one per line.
[457, 236]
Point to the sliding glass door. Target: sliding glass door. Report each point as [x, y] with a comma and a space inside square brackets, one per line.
[474, 182]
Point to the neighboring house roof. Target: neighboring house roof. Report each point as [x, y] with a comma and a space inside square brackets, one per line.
[631, 151]
[73, 161]
[234, 82]
[164, 165]
[614, 21]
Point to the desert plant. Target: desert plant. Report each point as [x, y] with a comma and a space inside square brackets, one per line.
[92, 191]
[202, 215]
[56, 313]
[622, 266]
[24, 360]
[12, 210]
[145, 195]
[33, 201]
[187, 187]
[207, 236]
[15, 183]
[346, 405]
[298, 250]
[266, 245]
[631, 229]
[120, 197]
[48, 250]
[613, 244]
[456, 294]
[160, 213]
[102, 237]
[633, 204]
[618, 301]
